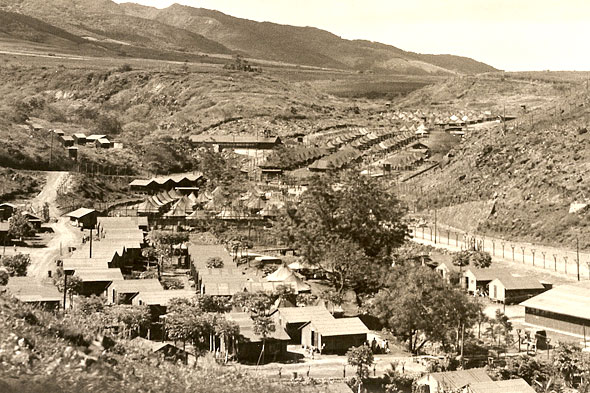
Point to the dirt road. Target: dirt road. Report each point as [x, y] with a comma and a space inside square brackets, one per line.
[64, 235]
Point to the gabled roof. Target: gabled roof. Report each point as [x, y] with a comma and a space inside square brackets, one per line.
[30, 290]
[518, 282]
[161, 298]
[509, 386]
[200, 253]
[246, 325]
[339, 326]
[81, 212]
[99, 275]
[303, 314]
[135, 286]
[85, 263]
[460, 378]
[572, 300]
[487, 274]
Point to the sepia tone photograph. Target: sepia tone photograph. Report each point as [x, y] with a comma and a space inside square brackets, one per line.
[329, 196]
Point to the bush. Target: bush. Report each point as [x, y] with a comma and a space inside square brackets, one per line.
[214, 263]
[172, 283]
[16, 265]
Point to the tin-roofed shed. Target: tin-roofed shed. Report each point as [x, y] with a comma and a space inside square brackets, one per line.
[334, 335]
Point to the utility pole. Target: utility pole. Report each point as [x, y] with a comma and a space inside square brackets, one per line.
[65, 288]
[578, 257]
[51, 150]
[435, 232]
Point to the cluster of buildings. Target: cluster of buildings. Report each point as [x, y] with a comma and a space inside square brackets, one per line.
[562, 311]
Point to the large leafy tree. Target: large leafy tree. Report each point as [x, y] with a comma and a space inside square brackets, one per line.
[346, 225]
[417, 306]
[16, 265]
[19, 226]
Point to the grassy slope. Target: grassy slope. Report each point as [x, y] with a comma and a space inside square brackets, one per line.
[534, 171]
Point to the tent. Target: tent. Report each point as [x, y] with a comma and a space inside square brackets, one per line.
[286, 275]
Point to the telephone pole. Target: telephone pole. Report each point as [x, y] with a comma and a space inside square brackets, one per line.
[578, 257]
[65, 288]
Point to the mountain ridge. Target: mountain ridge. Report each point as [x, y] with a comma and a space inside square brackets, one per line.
[189, 29]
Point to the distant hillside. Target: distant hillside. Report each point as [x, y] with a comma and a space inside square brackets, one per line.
[304, 45]
[187, 29]
[533, 170]
[103, 22]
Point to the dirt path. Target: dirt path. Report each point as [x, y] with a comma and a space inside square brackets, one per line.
[64, 235]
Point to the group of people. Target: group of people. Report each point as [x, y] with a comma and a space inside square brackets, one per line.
[378, 347]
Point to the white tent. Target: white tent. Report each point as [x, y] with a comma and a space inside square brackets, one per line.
[284, 274]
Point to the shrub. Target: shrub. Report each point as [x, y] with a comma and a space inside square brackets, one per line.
[16, 265]
[214, 263]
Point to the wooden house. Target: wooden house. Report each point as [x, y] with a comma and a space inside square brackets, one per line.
[450, 381]
[6, 211]
[510, 289]
[34, 220]
[292, 319]
[73, 152]
[334, 335]
[33, 291]
[476, 281]
[103, 143]
[168, 350]
[563, 311]
[249, 345]
[518, 385]
[96, 281]
[446, 268]
[122, 292]
[79, 138]
[91, 139]
[67, 141]
[83, 217]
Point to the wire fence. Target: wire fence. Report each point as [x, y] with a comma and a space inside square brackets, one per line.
[569, 262]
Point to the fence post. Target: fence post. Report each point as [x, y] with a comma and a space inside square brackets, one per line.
[493, 247]
[533, 252]
[512, 245]
[522, 248]
[565, 265]
[555, 261]
[503, 244]
[543, 252]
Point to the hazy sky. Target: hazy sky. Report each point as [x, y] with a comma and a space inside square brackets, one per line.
[507, 34]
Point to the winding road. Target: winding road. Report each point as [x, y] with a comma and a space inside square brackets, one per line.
[64, 235]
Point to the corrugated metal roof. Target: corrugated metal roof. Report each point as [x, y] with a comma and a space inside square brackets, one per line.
[134, 286]
[517, 282]
[304, 314]
[572, 300]
[161, 298]
[28, 289]
[201, 253]
[487, 274]
[339, 326]
[460, 378]
[99, 275]
[246, 325]
[509, 386]
[85, 263]
[81, 212]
